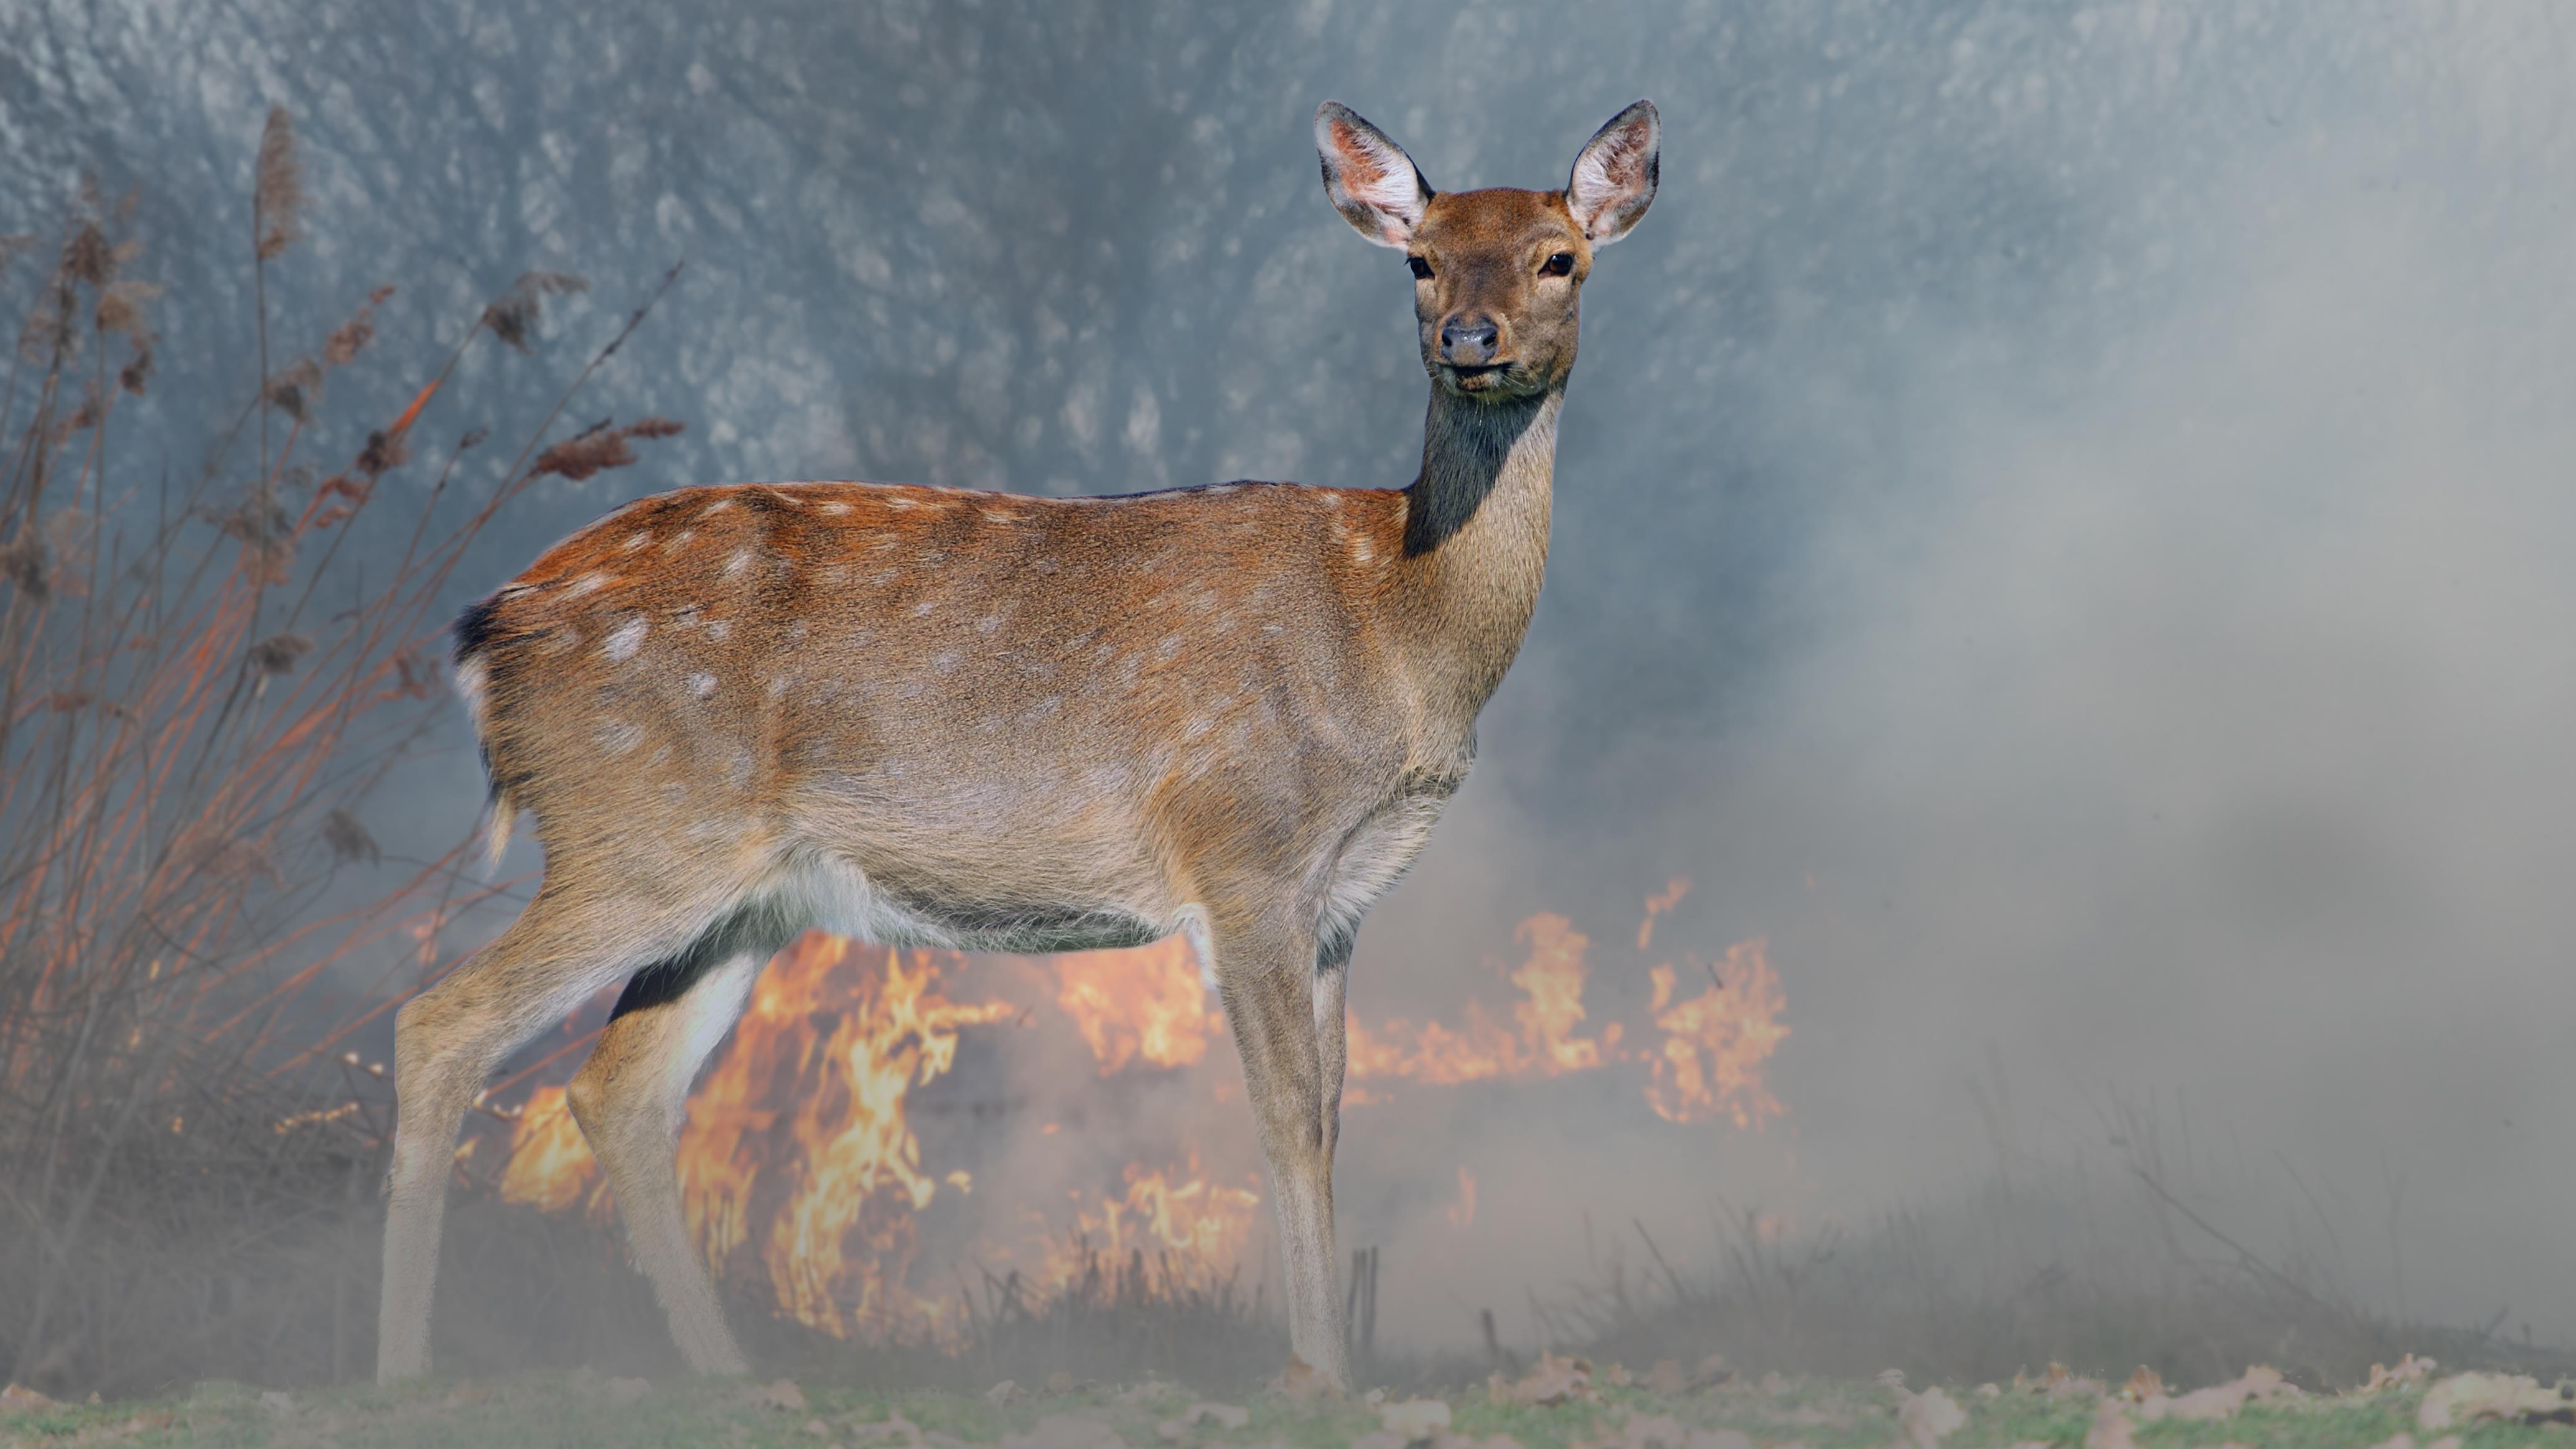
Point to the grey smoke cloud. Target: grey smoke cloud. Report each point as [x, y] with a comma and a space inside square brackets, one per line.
[2061, 524]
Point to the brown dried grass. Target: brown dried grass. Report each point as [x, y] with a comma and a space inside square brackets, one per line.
[189, 750]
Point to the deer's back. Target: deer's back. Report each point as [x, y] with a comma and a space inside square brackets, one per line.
[927, 680]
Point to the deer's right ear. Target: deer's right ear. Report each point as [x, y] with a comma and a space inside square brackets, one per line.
[1374, 185]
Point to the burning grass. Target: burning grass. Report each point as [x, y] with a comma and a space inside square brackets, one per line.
[201, 693]
[808, 1185]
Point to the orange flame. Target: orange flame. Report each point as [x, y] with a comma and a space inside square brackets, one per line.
[798, 1162]
[1147, 1002]
[550, 1165]
[1542, 1041]
[1715, 1042]
[1194, 1229]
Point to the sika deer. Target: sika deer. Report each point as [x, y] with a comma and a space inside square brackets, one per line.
[1011, 723]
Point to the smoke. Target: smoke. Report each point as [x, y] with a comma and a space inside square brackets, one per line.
[2060, 523]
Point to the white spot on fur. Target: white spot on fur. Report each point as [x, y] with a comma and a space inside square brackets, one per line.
[638, 541]
[777, 685]
[796, 632]
[720, 631]
[712, 509]
[741, 560]
[997, 515]
[587, 583]
[702, 685]
[836, 509]
[625, 639]
[679, 541]
[922, 609]
[1361, 552]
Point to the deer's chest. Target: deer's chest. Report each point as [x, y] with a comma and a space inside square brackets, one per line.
[1386, 843]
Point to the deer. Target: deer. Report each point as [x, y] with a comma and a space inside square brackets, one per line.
[1005, 722]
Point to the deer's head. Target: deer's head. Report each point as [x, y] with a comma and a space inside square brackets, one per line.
[1497, 274]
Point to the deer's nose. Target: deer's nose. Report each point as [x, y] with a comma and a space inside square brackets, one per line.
[1469, 341]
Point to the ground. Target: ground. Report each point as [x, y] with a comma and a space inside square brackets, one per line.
[1589, 1410]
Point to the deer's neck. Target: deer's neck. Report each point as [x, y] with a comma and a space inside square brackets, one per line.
[1475, 545]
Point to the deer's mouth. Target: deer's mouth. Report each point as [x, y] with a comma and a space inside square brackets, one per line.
[1478, 377]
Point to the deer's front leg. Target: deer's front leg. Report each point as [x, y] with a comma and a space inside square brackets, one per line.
[1267, 977]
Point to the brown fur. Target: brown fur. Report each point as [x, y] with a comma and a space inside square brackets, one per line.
[1007, 722]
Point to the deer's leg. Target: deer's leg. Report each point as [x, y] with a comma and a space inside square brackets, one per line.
[1267, 977]
[447, 1041]
[630, 1099]
[1332, 1028]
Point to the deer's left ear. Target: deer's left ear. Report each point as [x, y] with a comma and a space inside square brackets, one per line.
[1614, 178]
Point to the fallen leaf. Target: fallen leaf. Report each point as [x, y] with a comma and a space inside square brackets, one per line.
[1554, 1381]
[2143, 1385]
[1001, 1393]
[1617, 1376]
[2466, 1398]
[19, 1399]
[2409, 1370]
[1712, 1370]
[1925, 1417]
[2218, 1400]
[1414, 1419]
[782, 1395]
[1666, 1376]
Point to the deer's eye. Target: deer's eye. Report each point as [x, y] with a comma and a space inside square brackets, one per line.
[1421, 268]
[1559, 265]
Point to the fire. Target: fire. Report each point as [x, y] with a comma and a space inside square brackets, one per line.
[1190, 1230]
[550, 1165]
[1658, 903]
[1462, 1213]
[1542, 1040]
[860, 1164]
[800, 1166]
[1715, 1042]
[1147, 1002]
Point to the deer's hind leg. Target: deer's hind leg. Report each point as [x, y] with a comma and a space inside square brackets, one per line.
[565, 947]
[630, 1099]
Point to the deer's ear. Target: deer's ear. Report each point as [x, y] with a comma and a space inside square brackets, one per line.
[1614, 178]
[1373, 183]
